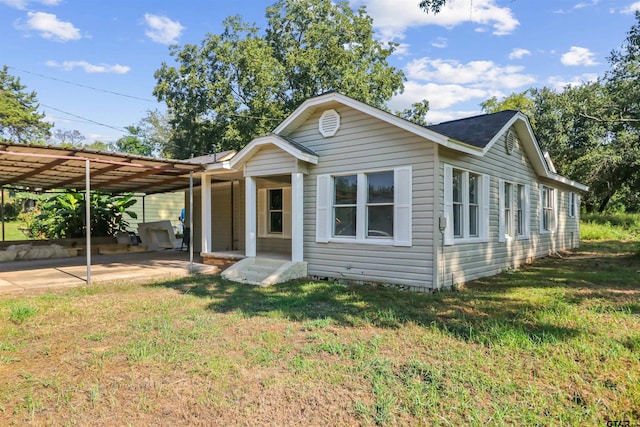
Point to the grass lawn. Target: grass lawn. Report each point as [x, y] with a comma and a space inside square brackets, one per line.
[555, 343]
[12, 231]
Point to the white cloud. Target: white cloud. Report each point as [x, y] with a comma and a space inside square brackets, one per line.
[440, 43]
[584, 4]
[402, 49]
[90, 68]
[22, 4]
[578, 56]
[393, 18]
[49, 27]
[518, 53]
[438, 95]
[435, 117]
[559, 83]
[161, 29]
[474, 73]
[631, 9]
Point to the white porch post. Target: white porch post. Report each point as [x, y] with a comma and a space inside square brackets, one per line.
[206, 220]
[297, 217]
[250, 214]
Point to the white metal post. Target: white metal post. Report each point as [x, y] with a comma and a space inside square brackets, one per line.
[250, 213]
[205, 220]
[191, 222]
[297, 217]
[87, 208]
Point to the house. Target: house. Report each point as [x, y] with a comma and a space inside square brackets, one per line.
[342, 190]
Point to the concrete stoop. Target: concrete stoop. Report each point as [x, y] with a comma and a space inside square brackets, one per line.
[264, 271]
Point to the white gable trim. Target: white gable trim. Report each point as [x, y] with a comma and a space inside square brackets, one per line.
[532, 148]
[254, 146]
[307, 107]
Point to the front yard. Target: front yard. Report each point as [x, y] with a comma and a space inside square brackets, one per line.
[556, 343]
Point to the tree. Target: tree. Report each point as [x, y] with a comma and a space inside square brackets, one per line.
[243, 82]
[19, 118]
[417, 113]
[521, 101]
[432, 5]
[63, 215]
[68, 138]
[133, 143]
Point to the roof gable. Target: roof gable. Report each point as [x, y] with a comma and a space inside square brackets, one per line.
[291, 147]
[478, 131]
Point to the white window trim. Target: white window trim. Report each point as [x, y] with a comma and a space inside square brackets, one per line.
[573, 205]
[402, 208]
[554, 207]
[483, 221]
[263, 213]
[526, 212]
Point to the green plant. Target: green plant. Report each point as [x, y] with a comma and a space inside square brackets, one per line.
[63, 215]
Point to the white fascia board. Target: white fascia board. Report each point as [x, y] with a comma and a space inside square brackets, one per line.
[309, 104]
[245, 153]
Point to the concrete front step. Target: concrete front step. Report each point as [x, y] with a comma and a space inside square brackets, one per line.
[265, 271]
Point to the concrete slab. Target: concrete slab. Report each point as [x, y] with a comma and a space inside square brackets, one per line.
[19, 276]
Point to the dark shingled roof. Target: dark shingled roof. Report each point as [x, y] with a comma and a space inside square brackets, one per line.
[297, 145]
[478, 130]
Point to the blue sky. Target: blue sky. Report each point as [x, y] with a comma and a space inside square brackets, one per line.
[472, 50]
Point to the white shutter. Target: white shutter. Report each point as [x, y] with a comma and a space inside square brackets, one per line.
[484, 209]
[286, 212]
[556, 207]
[402, 206]
[262, 212]
[448, 204]
[323, 208]
[501, 223]
[541, 208]
[527, 212]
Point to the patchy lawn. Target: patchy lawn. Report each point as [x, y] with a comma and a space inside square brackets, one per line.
[556, 343]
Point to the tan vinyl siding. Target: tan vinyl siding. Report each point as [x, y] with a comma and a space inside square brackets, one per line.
[361, 144]
[468, 261]
[221, 220]
[270, 160]
[157, 207]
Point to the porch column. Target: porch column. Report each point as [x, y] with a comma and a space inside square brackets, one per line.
[297, 217]
[206, 220]
[250, 216]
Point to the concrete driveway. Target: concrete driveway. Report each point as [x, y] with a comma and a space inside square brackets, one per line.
[17, 276]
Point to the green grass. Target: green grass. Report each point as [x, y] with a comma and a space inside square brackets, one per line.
[553, 343]
[12, 231]
[610, 226]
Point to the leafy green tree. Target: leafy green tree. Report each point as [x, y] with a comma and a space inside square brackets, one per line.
[417, 113]
[522, 101]
[63, 215]
[19, 118]
[68, 138]
[243, 82]
[133, 143]
[433, 6]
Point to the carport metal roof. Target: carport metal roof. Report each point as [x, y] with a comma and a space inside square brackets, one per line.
[48, 167]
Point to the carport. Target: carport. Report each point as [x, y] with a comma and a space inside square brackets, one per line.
[42, 168]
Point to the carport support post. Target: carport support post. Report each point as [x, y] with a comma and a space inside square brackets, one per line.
[87, 216]
[191, 222]
[2, 210]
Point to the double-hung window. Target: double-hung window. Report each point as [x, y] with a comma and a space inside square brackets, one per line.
[513, 211]
[274, 212]
[547, 209]
[573, 205]
[365, 207]
[466, 198]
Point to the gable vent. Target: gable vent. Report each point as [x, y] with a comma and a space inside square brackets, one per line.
[329, 123]
[510, 142]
